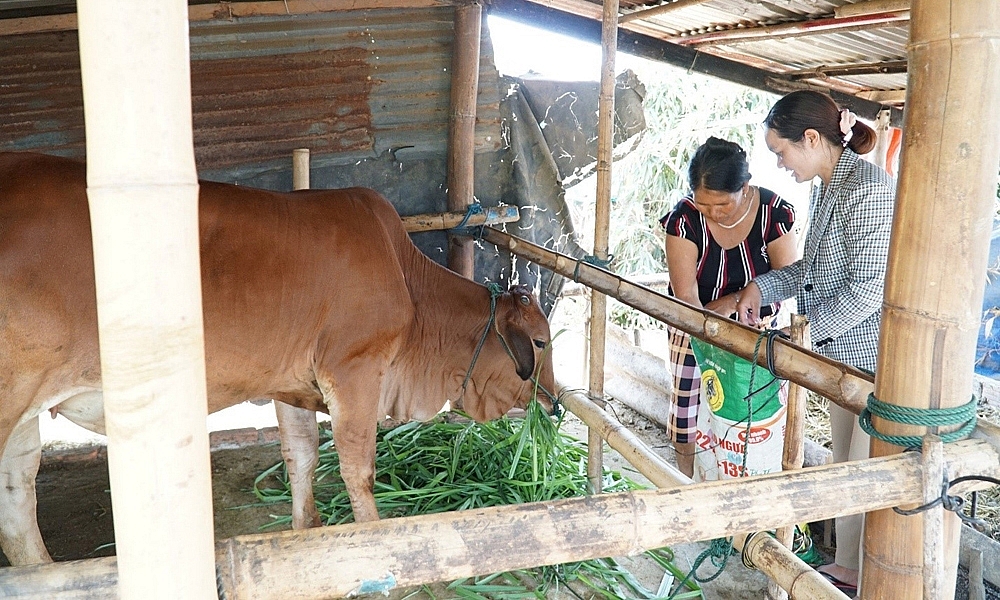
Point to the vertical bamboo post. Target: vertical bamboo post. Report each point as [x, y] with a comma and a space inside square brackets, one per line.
[938, 254]
[462, 129]
[793, 453]
[883, 135]
[300, 169]
[933, 519]
[143, 193]
[602, 223]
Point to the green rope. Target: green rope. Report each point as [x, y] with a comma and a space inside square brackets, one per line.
[719, 551]
[495, 292]
[964, 415]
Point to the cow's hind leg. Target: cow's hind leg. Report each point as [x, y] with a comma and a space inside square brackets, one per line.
[300, 449]
[19, 536]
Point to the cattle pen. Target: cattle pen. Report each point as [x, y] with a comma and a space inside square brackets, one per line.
[929, 327]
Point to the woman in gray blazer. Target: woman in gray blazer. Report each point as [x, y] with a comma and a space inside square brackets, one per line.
[838, 282]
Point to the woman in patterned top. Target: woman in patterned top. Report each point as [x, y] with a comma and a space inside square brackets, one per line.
[838, 283]
[725, 233]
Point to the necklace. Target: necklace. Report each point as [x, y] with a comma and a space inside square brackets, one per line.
[741, 219]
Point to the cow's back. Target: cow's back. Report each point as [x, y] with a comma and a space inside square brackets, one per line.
[290, 281]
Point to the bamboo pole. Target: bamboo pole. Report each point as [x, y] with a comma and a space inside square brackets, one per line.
[447, 220]
[792, 576]
[883, 135]
[661, 473]
[407, 551]
[793, 452]
[300, 169]
[142, 188]
[937, 257]
[660, 10]
[602, 224]
[843, 384]
[933, 519]
[462, 129]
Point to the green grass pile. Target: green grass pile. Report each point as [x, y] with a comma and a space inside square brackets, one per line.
[443, 465]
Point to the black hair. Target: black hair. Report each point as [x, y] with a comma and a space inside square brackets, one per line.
[720, 166]
[809, 109]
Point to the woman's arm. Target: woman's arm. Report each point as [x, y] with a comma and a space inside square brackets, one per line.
[783, 251]
[682, 263]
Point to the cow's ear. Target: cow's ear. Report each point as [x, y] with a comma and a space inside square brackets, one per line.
[519, 343]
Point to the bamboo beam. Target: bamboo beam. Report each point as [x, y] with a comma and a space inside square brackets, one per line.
[884, 96]
[462, 129]
[872, 7]
[845, 385]
[335, 561]
[661, 473]
[795, 29]
[842, 384]
[142, 189]
[602, 226]
[448, 220]
[878, 68]
[658, 11]
[937, 256]
[762, 552]
[793, 452]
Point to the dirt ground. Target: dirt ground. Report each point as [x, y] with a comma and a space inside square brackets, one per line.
[75, 516]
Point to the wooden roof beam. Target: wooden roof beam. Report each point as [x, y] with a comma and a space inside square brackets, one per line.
[795, 29]
[879, 68]
[659, 10]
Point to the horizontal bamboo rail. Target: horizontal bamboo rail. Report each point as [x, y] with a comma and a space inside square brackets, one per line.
[657, 470]
[447, 220]
[768, 555]
[843, 384]
[336, 561]
[774, 559]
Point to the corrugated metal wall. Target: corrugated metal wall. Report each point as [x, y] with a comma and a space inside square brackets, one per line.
[348, 85]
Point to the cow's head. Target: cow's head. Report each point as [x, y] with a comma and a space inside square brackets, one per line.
[521, 357]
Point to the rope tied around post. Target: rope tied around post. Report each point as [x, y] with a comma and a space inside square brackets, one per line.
[590, 259]
[964, 415]
[475, 231]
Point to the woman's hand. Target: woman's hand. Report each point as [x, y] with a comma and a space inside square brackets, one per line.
[748, 305]
[725, 305]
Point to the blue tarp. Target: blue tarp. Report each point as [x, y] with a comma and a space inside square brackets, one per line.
[988, 344]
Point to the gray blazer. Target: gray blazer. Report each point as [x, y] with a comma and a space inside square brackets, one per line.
[839, 279]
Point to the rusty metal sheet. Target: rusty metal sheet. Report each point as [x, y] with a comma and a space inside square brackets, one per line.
[347, 85]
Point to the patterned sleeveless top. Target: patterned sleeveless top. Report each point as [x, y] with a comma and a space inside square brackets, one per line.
[721, 272]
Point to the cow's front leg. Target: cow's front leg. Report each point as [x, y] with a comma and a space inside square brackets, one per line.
[352, 411]
[19, 536]
[300, 450]
[355, 442]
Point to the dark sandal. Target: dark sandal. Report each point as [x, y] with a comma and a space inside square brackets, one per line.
[843, 586]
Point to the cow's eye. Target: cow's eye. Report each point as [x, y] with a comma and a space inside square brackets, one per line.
[525, 300]
[539, 343]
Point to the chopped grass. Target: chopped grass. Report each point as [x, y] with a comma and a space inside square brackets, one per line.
[444, 465]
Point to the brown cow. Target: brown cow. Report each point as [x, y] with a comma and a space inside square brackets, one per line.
[316, 298]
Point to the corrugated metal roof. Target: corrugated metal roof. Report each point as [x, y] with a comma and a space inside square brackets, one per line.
[346, 84]
[779, 37]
